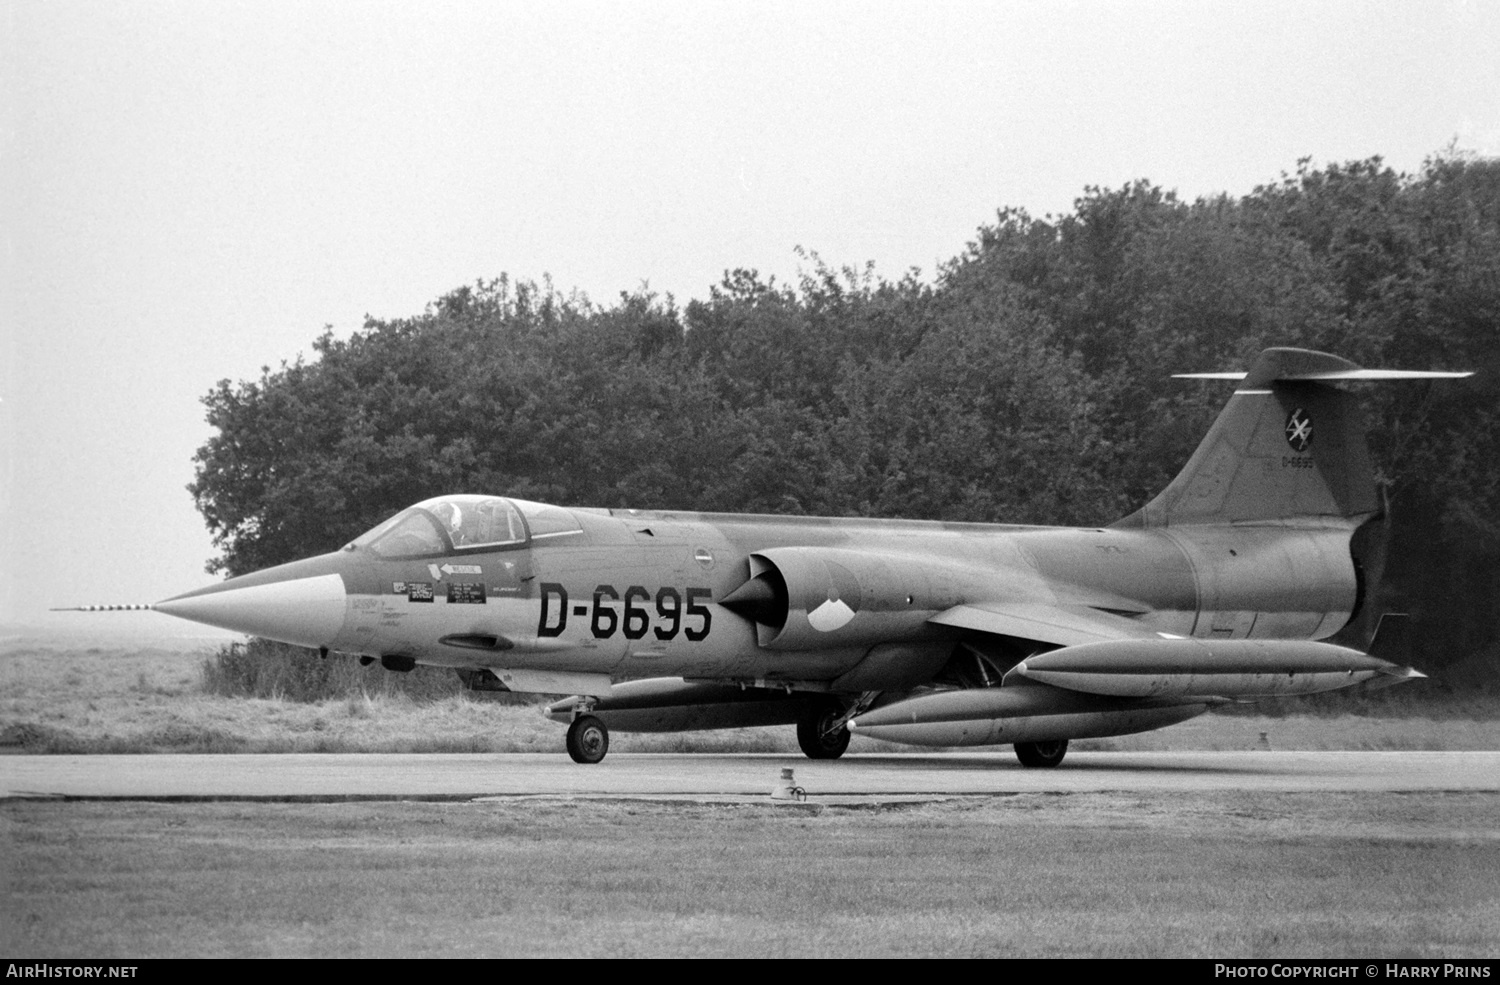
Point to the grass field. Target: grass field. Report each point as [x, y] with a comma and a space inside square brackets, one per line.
[1214, 874]
[95, 696]
[1105, 875]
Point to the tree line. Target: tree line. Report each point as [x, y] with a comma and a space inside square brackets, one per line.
[1025, 382]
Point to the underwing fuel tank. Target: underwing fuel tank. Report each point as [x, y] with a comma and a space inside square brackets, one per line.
[1213, 668]
[1023, 713]
[670, 704]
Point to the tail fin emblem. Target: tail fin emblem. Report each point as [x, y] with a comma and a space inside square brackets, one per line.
[1299, 430]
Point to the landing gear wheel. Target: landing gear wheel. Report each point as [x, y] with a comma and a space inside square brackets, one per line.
[588, 739]
[818, 738]
[1042, 755]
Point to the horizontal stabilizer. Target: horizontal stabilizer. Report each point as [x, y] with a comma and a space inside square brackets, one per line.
[1306, 366]
[1347, 374]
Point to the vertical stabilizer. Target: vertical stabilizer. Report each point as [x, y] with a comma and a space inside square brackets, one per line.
[1288, 444]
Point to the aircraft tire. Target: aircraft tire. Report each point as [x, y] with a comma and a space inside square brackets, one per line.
[1041, 755]
[588, 740]
[813, 735]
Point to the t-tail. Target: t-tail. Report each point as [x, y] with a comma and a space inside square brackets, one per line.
[1290, 445]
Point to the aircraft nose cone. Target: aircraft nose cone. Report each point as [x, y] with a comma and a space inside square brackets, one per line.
[302, 611]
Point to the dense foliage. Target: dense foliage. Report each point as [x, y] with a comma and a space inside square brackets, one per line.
[1026, 383]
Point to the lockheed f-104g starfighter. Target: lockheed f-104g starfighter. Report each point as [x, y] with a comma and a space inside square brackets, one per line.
[950, 634]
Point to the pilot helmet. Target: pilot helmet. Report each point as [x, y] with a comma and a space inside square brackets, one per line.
[450, 514]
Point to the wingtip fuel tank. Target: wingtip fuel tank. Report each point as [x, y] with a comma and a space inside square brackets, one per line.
[1194, 667]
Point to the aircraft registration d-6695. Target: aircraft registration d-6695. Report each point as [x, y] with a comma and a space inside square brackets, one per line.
[930, 633]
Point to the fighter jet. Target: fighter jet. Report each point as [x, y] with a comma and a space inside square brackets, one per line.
[929, 633]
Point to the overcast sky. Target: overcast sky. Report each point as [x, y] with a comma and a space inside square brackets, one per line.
[195, 189]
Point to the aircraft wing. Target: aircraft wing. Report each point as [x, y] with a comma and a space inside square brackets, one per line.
[1106, 654]
[1062, 625]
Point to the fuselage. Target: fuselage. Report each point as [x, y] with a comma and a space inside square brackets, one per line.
[628, 594]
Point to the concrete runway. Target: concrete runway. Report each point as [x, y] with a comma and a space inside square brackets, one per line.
[862, 778]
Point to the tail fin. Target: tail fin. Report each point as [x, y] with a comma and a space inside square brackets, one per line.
[1288, 444]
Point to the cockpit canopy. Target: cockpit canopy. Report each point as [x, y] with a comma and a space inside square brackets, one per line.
[449, 524]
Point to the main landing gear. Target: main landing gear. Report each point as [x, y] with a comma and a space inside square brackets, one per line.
[823, 733]
[588, 739]
[1042, 755]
